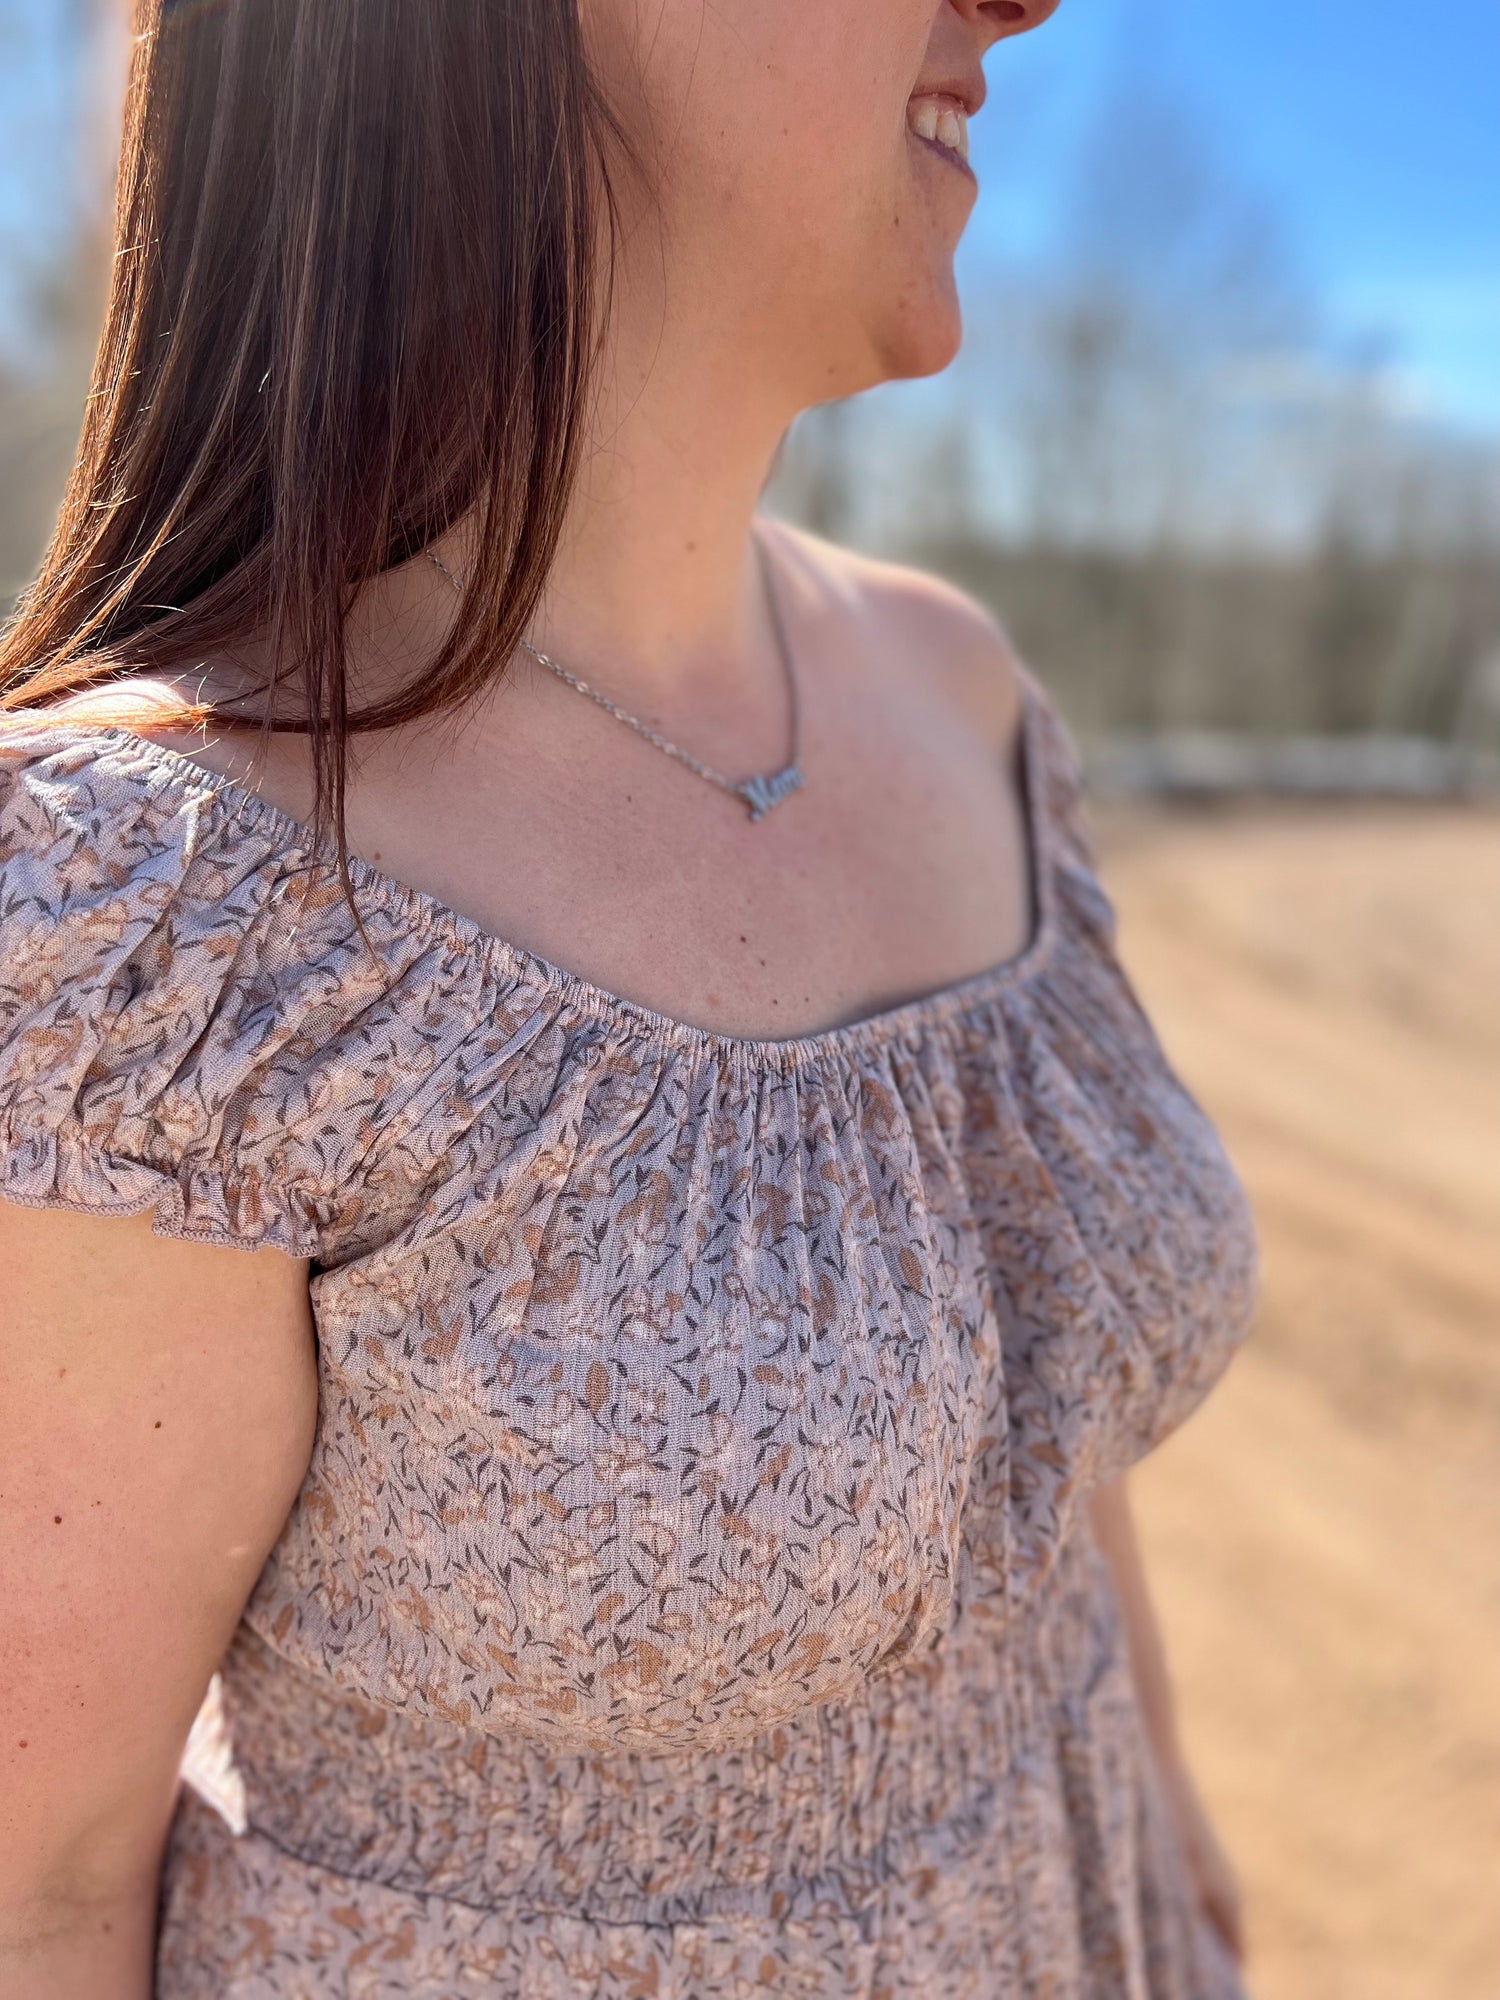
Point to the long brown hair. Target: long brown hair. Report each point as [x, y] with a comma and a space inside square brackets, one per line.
[356, 296]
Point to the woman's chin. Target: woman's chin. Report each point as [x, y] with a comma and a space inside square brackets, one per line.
[912, 326]
[924, 338]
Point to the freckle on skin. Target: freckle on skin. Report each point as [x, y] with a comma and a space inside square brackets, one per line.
[22, 1744]
[57, 1520]
[157, 1425]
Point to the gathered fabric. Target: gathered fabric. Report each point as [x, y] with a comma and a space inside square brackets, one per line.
[691, 1592]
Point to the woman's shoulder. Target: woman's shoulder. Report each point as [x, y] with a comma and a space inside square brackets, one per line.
[958, 647]
[190, 1019]
[153, 709]
[108, 786]
[129, 904]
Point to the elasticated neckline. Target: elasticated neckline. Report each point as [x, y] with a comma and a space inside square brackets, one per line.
[420, 910]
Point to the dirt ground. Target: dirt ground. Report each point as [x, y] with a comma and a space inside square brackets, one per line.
[1324, 1533]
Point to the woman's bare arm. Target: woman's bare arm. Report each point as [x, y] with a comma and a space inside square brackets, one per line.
[157, 1404]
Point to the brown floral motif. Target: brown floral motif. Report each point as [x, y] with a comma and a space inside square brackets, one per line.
[691, 1591]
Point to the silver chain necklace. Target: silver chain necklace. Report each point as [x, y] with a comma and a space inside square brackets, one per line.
[759, 793]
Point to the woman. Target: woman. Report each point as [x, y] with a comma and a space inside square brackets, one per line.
[656, 1494]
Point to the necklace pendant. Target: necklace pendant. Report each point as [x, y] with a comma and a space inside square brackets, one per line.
[761, 793]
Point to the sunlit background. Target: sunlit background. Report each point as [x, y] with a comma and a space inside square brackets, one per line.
[1222, 450]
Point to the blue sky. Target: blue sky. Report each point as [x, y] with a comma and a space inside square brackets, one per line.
[1372, 131]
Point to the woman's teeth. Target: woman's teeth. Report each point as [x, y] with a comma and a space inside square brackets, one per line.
[940, 119]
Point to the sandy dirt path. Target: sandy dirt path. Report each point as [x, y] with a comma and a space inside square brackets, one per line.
[1324, 1533]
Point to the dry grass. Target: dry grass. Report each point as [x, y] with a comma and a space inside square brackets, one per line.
[1324, 1534]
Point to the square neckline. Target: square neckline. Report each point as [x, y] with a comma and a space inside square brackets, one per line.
[423, 910]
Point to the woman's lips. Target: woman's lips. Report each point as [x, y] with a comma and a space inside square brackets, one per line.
[941, 122]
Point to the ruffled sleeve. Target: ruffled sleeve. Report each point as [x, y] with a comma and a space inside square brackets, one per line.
[138, 1045]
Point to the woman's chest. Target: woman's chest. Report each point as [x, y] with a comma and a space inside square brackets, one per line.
[664, 1435]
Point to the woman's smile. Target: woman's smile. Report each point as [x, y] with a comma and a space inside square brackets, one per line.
[941, 122]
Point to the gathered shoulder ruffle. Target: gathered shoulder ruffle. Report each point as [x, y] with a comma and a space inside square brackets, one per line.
[189, 1021]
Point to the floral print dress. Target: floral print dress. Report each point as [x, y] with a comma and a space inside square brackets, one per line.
[691, 1594]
